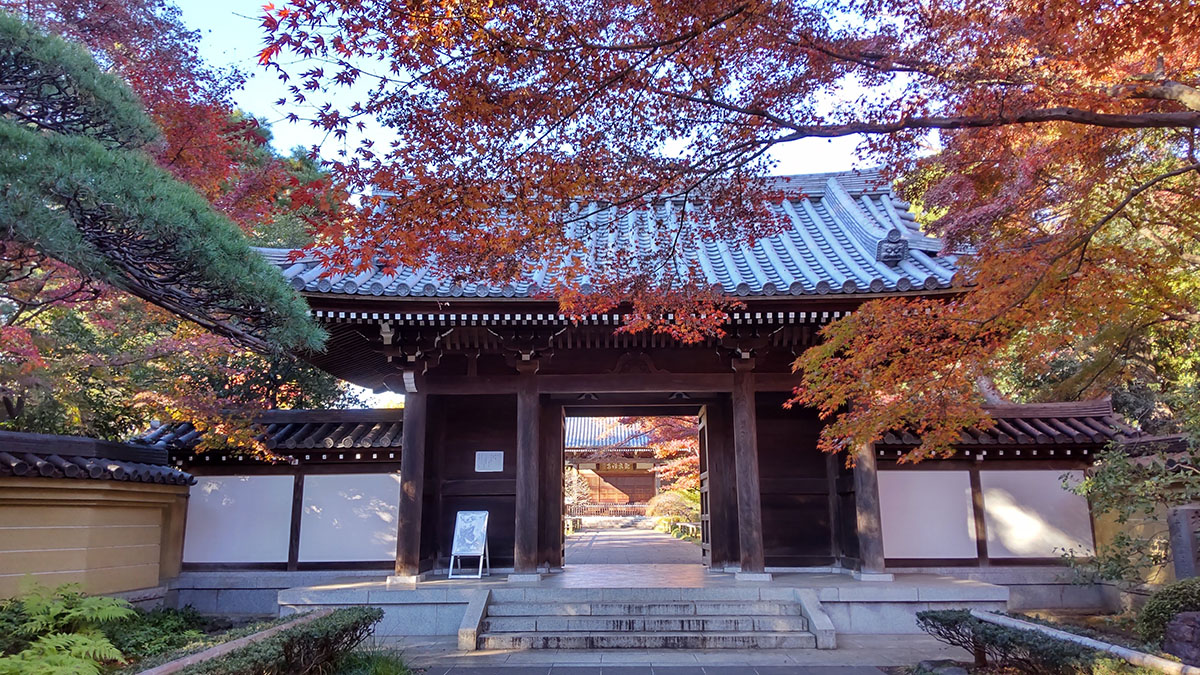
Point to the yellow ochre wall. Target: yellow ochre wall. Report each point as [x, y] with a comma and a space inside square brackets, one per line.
[1155, 529]
[107, 536]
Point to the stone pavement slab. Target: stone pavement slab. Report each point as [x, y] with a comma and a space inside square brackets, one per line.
[627, 546]
[654, 670]
[855, 655]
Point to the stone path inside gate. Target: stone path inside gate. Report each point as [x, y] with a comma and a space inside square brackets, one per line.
[655, 670]
[628, 546]
[855, 655]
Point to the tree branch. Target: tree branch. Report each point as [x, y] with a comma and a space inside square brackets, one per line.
[1161, 91]
[1042, 116]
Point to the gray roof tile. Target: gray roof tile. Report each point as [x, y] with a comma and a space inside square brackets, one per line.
[848, 234]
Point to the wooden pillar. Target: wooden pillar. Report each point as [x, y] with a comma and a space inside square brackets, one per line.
[550, 533]
[722, 484]
[528, 477]
[866, 501]
[412, 487]
[745, 450]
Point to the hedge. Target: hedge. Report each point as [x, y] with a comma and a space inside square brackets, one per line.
[1164, 605]
[307, 648]
[1021, 650]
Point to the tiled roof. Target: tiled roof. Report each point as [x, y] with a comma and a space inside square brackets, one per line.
[298, 429]
[1075, 423]
[590, 434]
[848, 234]
[31, 465]
[30, 455]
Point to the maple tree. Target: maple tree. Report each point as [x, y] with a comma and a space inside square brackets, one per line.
[77, 353]
[675, 440]
[1052, 144]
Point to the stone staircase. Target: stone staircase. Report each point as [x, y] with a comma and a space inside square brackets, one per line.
[642, 618]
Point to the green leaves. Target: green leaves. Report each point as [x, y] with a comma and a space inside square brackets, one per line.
[307, 647]
[1165, 604]
[74, 186]
[61, 632]
[53, 85]
[1135, 493]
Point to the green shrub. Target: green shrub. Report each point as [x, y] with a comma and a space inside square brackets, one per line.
[312, 647]
[1026, 651]
[58, 631]
[1115, 666]
[157, 632]
[1164, 604]
[681, 503]
[218, 634]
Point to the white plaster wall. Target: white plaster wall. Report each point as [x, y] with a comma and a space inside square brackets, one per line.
[927, 514]
[235, 519]
[349, 517]
[1029, 514]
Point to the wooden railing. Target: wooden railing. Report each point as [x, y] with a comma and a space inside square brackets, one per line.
[613, 510]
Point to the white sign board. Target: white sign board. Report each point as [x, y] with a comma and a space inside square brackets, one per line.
[489, 461]
[470, 533]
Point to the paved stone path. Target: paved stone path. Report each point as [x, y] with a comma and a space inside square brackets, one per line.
[855, 655]
[656, 670]
[628, 547]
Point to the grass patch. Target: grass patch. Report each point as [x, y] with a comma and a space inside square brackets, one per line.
[372, 662]
[198, 642]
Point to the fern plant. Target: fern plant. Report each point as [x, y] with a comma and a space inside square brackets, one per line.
[58, 632]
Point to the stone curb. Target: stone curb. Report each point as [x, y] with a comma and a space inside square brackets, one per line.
[468, 631]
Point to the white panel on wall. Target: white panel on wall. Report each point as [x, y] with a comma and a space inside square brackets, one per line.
[235, 519]
[349, 517]
[1029, 514]
[927, 514]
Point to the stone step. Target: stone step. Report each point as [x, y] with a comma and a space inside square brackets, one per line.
[722, 593]
[624, 624]
[648, 640]
[760, 608]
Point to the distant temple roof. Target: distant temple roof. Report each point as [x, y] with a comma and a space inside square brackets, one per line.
[603, 434]
[849, 234]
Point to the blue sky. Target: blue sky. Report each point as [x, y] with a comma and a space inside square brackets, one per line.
[231, 35]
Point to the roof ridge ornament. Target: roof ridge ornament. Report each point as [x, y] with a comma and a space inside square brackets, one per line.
[892, 249]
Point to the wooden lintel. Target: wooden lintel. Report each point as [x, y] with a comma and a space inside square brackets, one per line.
[608, 383]
[775, 381]
[634, 382]
[582, 409]
[465, 384]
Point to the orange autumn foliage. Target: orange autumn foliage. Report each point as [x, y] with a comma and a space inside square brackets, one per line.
[1051, 144]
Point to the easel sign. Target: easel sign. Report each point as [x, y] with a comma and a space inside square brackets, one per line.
[470, 541]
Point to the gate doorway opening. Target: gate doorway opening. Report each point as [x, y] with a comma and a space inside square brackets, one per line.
[632, 489]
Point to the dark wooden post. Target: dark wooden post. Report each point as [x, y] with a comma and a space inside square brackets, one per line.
[412, 488]
[870, 526]
[722, 484]
[528, 477]
[745, 450]
[550, 533]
